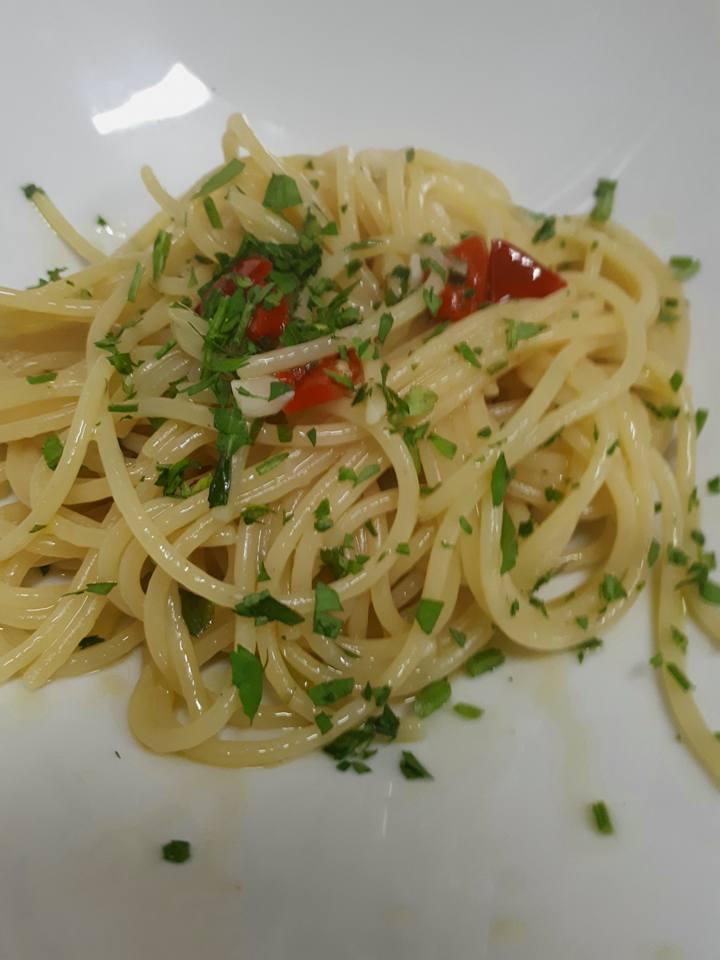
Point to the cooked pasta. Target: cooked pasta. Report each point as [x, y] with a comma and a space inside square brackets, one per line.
[328, 430]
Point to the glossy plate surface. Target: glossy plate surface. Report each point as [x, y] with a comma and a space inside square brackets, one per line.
[495, 858]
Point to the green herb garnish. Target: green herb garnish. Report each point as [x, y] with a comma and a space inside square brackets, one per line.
[546, 230]
[604, 194]
[431, 697]
[330, 691]
[427, 614]
[327, 602]
[484, 661]
[684, 268]
[135, 283]
[52, 450]
[500, 480]
[263, 608]
[601, 815]
[197, 612]
[176, 851]
[508, 543]
[223, 176]
[582, 649]
[412, 769]
[611, 589]
[247, 677]
[517, 330]
[282, 192]
[468, 711]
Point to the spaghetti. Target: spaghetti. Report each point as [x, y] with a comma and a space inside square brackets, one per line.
[325, 431]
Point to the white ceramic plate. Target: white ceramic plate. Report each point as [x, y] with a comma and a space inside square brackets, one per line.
[495, 858]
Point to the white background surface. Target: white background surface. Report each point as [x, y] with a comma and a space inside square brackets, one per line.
[495, 858]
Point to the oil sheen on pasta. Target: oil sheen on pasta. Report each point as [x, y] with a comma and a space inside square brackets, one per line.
[456, 467]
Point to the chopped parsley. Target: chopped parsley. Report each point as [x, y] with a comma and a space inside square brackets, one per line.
[678, 676]
[177, 851]
[281, 192]
[484, 661]
[427, 614]
[323, 722]
[161, 249]
[264, 608]
[385, 326]
[419, 401]
[676, 556]
[713, 484]
[164, 349]
[582, 622]
[30, 189]
[330, 691]
[135, 283]
[42, 377]
[465, 525]
[611, 589]
[467, 353]
[339, 560]
[546, 230]
[526, 527]
[247, 678]
[582, 649]
[653, 553]
[90, 641]
[676, 381]
[102, 588]
[431, 698]
[663, 411]
[709, 591]
[508, 543]
[311, 434]
[446, 448]
[684, 268]
[170, 477]
[500, 480]
[601, 817]
[322, 516]
[517, 330]
[197, 612]
[701, 416]
[265, 466]
[604, 194]
[412, 769]
[227, 173]
[232, 433]
[468, 711]
[52, 450]
[679, 638]
[432, 300]
[458, 637]
[327, 602]
[366, 473]
[553, 495]
[212, 213]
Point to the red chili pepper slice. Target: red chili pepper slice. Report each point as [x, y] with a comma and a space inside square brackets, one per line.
[515, 275]
[314, 387]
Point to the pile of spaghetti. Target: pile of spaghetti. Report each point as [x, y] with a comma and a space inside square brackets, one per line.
[324, 432]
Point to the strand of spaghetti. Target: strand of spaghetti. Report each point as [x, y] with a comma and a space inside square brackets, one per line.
[63, 477]
[64, 229]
